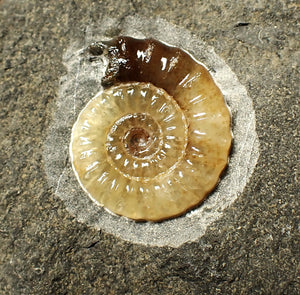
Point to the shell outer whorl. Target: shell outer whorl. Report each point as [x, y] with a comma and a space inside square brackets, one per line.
[154, 143]
[143, 60]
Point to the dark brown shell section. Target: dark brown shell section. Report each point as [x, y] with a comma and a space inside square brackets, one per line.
[144, 60]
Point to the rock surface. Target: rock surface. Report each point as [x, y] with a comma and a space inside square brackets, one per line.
[252, 249]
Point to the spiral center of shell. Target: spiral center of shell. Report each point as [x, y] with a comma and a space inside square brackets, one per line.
[138, 135]
[137, 141]
[148, 136]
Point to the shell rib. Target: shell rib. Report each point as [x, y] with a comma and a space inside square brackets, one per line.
[154, 143]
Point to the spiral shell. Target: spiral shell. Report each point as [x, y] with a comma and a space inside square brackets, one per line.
[154, 143]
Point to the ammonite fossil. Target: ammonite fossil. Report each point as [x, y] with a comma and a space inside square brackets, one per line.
[153, 144]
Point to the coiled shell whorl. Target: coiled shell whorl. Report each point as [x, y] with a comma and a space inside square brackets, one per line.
[153, 144]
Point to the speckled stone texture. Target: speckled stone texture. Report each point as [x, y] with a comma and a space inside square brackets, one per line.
[252, 249]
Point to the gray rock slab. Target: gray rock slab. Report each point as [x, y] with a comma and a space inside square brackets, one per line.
[249, 246]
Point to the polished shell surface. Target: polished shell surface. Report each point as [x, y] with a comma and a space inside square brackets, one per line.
[146, 153]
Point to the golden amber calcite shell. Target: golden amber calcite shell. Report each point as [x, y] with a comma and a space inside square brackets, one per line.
[148, 154]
